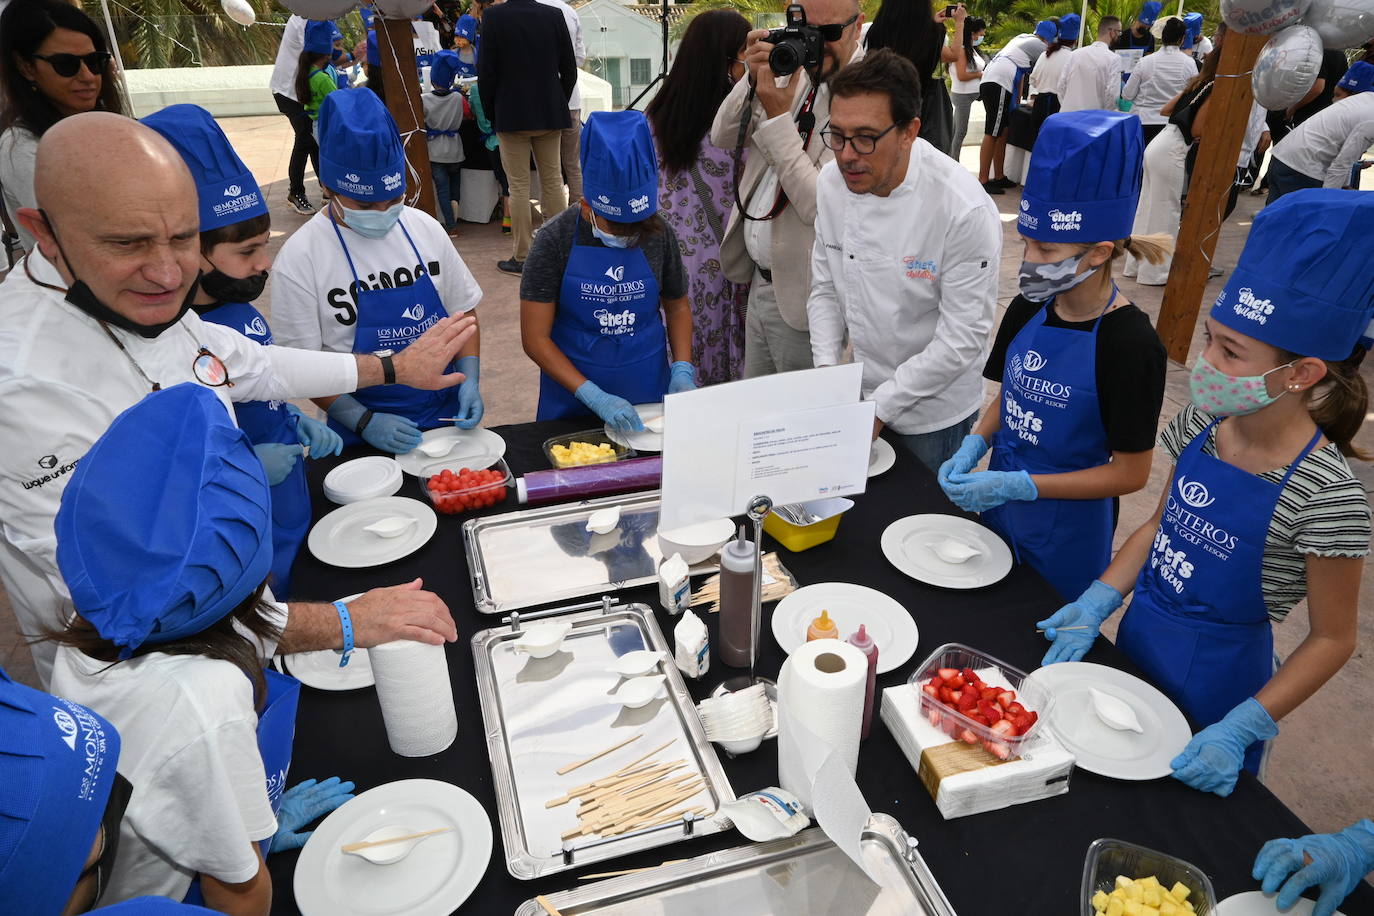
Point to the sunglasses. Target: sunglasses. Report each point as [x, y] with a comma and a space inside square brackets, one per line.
[835, 30]
[68, 65]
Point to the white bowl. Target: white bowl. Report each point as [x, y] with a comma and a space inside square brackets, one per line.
[741, 745]
[696, 542]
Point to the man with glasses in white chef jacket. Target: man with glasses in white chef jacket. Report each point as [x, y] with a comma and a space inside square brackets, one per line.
[905, 261]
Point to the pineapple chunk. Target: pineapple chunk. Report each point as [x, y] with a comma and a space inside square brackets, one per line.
[1100, 900]
[1115, 907]
[1151, 881]
[1151, 896]
[1135, 893]
[1123, 882]
[1180, 891]
[1134, 908]
[1169, 908]
[1148, 911]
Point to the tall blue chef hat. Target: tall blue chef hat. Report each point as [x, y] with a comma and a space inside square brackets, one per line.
[57, 764]
[166, 523]
[1149, 12]
[444, 69]
[228, 192]
[361, 155]
[619, 166]
[153, 906]
[466, 28]
[1192, 23]
[1069, 27]
[1046, 30]
[1359, 78]
[319, 36]
[1084, 179]
[1305, 282]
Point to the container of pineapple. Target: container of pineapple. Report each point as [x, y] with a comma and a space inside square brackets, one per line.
[590, 446]
[1123, 879]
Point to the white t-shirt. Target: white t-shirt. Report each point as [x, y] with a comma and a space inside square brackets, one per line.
[188, 745]
[1329, 143]
[313, 293]
[1157, 79]
[968, 87]
[288, 58]
[1020, 53]
[1048, 70]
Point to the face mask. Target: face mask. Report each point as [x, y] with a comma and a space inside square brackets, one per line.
[613, 241]
[1223, 395]
[225, 288]
[979, 40]
[1042, 282]
[372, 224]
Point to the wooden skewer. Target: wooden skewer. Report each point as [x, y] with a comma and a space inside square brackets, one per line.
[646, 806]
[611, 797]
[590, 789]
[568, 768]
[646, 756]
[649, 819]
[629, 871]
[355, 847]
[549, 908]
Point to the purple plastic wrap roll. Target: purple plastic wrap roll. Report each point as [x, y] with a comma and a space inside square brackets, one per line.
[564, 484]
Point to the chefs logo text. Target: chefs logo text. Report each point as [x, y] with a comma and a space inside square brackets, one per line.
[1170, 560]
[613, 323]
[1061, 221]
[1250, 306]
[917, 269]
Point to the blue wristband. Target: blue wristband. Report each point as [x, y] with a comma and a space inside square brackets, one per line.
[346, 624]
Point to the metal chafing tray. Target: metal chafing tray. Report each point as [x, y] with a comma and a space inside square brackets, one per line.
[798, 876]
[541, 714]
[537, 556]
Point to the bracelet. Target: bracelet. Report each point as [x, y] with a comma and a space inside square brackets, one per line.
[346, 624]
[388, 370]
[362, 423]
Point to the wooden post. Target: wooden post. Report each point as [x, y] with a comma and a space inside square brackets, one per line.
[397, 48]
[1228, 112]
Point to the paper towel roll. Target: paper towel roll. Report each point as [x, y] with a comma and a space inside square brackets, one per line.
[821, 695]
[416, 697]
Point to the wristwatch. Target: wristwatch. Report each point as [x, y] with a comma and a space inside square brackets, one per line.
[388, 369]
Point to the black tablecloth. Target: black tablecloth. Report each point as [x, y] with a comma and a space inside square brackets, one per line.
[1025, 859]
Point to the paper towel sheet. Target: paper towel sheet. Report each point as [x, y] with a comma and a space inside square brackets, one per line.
[416, 697]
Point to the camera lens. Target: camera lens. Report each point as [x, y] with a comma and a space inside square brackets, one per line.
[786, 57]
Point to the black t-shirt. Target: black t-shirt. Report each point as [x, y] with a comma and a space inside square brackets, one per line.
[1130, 369]
[1333, 68]
[1128, 40]
[553, 244]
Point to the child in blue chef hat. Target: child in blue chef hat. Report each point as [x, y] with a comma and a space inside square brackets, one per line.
[315, 73]
[443, 116]
[1139, 34]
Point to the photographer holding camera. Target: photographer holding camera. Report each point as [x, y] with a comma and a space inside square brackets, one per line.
[768, 241]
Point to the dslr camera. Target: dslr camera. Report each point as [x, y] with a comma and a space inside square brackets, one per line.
[795, 45]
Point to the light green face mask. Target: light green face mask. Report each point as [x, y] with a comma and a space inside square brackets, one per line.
[1223, 395]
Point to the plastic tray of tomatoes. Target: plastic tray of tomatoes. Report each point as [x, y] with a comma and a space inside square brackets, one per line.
[455, 492]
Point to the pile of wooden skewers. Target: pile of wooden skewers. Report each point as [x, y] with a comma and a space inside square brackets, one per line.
[640, 794]
[777, 584]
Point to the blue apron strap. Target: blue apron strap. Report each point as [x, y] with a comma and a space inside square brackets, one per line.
[419, 259]
[344, 245]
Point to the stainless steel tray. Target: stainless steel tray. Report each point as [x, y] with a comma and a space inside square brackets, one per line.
[541, 714]
[799, 876]
[537, 556]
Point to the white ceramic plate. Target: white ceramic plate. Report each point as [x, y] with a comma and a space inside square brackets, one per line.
[362, 478]
[1098, 747]
[645, 441]
[907, 545]
[887, 622]
[339, 539]
[477, 449]
[321, 669]
[1255, 903]
[435, 878]
[881, 457]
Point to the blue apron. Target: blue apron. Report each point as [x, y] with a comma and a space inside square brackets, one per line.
[389, 320]
[270, 421]
[1198, 626]
[1052, 424]
[276, 731]
[608, 325]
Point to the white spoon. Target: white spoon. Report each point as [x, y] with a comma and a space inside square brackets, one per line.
[655, 425]
[395, 526]
[637, 663]
[542, 640]
[952, 550]
[389, 853]
[639, 692]
[436, 448]
[603, 521]
[1115, 712]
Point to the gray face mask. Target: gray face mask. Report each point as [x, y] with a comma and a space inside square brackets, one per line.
[1042, 282]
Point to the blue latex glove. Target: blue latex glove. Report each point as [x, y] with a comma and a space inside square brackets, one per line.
[683, 377]
[1212, 760]
[1095, 605]
[303, 803]
[387, 432]
[277, 459]
[470, 408]
[321, 440]
[984, 490]
[617, 413]
[1339, 861]
[965, 459]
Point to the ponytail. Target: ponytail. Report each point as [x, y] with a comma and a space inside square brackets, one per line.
[1152, 248]
[1339, 402]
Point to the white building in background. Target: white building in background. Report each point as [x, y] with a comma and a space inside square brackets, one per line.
[625, 44]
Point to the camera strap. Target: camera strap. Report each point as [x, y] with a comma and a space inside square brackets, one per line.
[806, 125]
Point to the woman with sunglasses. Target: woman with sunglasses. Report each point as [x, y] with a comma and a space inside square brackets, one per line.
[53, 64]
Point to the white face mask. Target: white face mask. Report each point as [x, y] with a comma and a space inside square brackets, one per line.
[979, 40]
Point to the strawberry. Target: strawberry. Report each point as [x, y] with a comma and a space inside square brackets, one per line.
[946, 695]
[1015, 709]
[1005, 698]
[968, 737]
[954, 694]
[991, 711]
[948, 674]
[957, 682]
[968, 699]
[978, 717]
[1034, 716]
[934, 716]
[930, 691]
[970, 677]
[936, 683]
[997, 749]
[1005, 728]
[989, 693]
[1022, 723]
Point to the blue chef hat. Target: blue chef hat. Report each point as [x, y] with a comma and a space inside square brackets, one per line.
[153, 906]
[166, 524]
[1359, 78]
[1192, 23]
[319, 36]
[466, 28]
[228, 192]
[619, 166]
[444, 69]
[57, 764]
[1069, 27]
[1046, 30]
[361, 155]
[1149, 12]
[1305, 282]
[1084, 178]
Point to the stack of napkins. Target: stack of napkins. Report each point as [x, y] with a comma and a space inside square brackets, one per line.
[965, 779]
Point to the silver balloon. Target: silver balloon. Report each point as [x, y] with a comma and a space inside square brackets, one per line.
[320, 9]
[1260, 17]
[239, 11]
[1287, 67]
[401, 9]
[1342, 23]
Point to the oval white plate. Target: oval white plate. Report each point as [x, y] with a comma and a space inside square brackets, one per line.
[1098, 747]
[888, 623]
[339, 539]
[907, 545]
[434, 880]
[1256, 903]
[881, 457]
[362, 478]
[321, 669]
[477, 449]
[645, 441]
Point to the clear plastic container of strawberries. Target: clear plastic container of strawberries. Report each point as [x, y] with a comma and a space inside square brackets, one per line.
[980, 700]
[455, 492]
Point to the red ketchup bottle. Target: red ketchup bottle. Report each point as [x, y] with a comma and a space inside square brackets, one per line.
[865, 644]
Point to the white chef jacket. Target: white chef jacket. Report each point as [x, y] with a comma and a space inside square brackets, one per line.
[1092, 79]
[288, 58]
[1020, 53]
[1048, 71]
[574, 22]
[1157, 79]
[1329, 143]
[912, 278]
[63, 381]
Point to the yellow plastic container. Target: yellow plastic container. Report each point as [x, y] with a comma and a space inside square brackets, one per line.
[797, 538]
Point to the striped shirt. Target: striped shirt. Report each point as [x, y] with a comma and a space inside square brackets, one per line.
[1323, 511]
